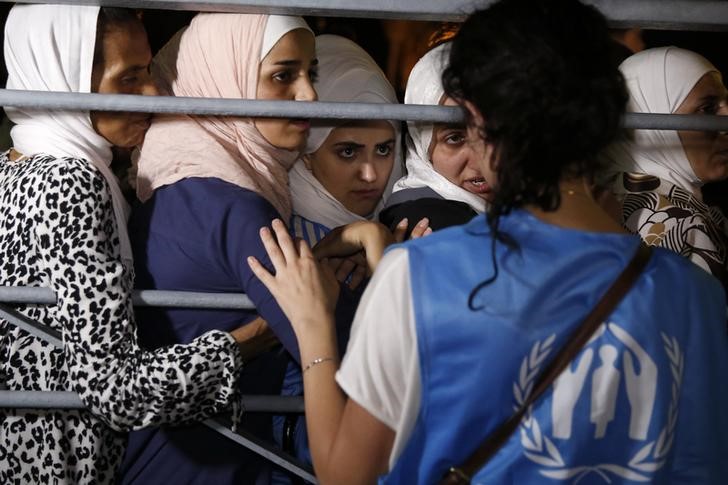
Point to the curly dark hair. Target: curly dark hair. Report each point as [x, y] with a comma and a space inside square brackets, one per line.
[541, 74]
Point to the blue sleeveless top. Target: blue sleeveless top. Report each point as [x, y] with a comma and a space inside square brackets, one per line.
[644, 401]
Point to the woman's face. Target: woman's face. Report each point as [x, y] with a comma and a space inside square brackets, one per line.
[123, 69]
[455, 157]
[707, 151]
[287, 73]
[354, 164]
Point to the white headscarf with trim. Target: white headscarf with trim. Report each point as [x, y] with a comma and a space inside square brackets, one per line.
[51, 48]
[658, 81]
[424, 86]
[346, 74]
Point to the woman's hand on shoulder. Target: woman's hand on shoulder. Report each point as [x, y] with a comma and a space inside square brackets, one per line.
[305, 289]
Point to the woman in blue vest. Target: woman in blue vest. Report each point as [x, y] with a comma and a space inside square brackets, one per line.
[454, 328]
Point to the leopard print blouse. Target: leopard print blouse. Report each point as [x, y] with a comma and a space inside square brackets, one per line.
[57, 229]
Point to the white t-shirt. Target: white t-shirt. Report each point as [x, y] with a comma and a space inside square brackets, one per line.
[381, 368]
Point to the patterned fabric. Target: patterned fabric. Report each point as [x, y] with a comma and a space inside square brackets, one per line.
[310, 231]
[670, 217]
[57, 229]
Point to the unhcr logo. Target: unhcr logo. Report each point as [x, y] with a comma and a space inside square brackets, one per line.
[598, 367]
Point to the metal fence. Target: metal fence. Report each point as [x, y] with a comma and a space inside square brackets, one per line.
[662, 14]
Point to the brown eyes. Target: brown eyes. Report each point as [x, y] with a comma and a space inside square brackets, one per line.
[384, 150]
[283, 76]
[455, 138]
[290, 75]
[349, 152]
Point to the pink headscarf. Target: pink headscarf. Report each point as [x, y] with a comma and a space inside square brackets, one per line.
[217, 56]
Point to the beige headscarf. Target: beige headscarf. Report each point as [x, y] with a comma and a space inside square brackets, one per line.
[217, 56]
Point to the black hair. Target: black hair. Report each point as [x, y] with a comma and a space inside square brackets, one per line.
[108, 19]
[541, 74]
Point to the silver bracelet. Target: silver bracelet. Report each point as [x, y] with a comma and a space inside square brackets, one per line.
[317, 361]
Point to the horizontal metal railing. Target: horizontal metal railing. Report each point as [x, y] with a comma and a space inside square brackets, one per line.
[227, 107]
[658, 14]
[156, 298]
[305, 109]
[71, 400]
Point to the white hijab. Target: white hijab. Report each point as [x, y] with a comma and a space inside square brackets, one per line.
[424, 86]
[51, 48]
[347, 74]
[658, 81]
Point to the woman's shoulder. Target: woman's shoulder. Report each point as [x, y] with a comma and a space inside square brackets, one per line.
[209, 204]
[217, 192]
[48, 171]
[687, 278]
[442, 213]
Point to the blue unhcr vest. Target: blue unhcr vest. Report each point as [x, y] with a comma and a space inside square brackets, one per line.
[644, 401]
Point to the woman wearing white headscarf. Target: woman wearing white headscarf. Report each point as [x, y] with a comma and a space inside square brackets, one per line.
[443, 181]
[62, 226]
[657, 174]
[348, 168]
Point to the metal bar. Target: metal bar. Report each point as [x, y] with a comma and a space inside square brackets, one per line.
[70, 400]
[40, 400]
[258, 446]
[34, 328]
[155, 298]
[304, 109]
[661, 14]
[186, 299]
[646, 121]
[227, 107]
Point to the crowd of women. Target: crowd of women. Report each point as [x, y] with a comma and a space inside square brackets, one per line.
[513, 227]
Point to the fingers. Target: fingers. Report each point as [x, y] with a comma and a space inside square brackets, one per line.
[304, 250]
[335, 244]
[420, 229]
[322, 249]
[357, 276]
[262, 273]
[284, 240]
[272, 248]
[400, 230]
[344, 269]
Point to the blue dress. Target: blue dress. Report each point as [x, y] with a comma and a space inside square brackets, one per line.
[196, 235]
[644, 401]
